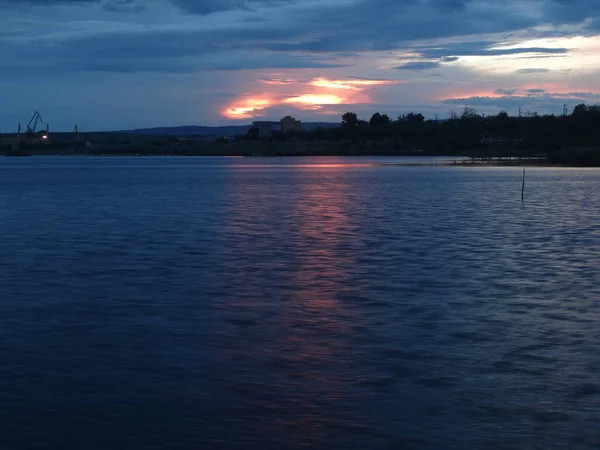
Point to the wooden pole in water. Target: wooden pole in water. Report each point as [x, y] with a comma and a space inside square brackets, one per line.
[523, 186]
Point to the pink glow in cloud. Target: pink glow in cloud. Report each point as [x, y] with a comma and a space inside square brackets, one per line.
[315, 94]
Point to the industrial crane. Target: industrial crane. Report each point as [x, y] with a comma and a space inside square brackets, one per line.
[33, 123]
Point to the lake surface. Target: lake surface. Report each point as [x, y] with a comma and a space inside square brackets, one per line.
[189, 303]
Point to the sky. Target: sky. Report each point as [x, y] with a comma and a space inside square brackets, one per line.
[123, 64]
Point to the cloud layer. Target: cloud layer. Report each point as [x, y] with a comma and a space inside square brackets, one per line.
[221, 60]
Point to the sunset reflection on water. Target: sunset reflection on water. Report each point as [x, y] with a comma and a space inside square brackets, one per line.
[307, 344]
[314, 322]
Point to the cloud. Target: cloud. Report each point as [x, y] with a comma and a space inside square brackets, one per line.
[127, 48]
[212, 6]
[311, 95]
[356, 84]
[533, 71]
[532, 100]
[484, 48]
[316, 48]
[419, 65]
[570, 11]
[314, 101]
[121, 6]
[278, 81]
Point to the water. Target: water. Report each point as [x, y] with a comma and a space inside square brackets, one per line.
[173, 303]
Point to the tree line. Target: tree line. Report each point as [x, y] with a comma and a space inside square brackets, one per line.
[468, 132]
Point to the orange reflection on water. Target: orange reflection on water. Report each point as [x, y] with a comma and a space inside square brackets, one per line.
[294, 244]
[315, 322]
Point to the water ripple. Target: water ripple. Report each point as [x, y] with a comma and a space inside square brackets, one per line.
[186, 303]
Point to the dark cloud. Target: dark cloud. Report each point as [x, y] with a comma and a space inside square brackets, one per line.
[532, 71]
[453, 5]
[272, 41]
[483, 48]
[211, 6]
[463, 12]
[379, 25]
[419, 65]
[129, 6]
[536, 91]
[277, 80]
[338, 27]
[571, 11]
[201, 7]
[47, 2]
[167, 51]
[208, 6]
[506, 91]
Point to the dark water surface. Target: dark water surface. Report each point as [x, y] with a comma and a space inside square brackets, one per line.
[175, 303]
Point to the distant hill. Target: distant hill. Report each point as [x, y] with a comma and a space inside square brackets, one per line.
[227, 131]
[190, 130]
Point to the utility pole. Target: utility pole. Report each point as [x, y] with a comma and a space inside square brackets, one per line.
[565, 110]
[519, 111]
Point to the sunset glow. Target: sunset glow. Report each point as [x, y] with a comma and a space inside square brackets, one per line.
[250, 107]
[222, 61]
[246, 108]
[350, 84]
[313, 96]
[315, 99]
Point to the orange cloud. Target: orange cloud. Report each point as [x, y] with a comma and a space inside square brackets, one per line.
[314, 101]
[355, 84]
[347, 91]
[246, 108]
[251, 107]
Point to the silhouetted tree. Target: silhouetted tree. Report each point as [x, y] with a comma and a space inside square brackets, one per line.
[375, 120]
[580, 109]
[413, 118]
[253, 134]
[379, 120]
[350, 119]
[469, 113]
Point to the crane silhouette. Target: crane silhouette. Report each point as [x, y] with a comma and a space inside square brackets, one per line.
[33, 123]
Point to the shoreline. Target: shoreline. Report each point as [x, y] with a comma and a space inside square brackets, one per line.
[575, 157]
[448, 161]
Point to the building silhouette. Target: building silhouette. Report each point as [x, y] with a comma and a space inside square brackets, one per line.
[286, 125]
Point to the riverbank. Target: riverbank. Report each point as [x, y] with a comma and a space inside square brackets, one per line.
[573, 157]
